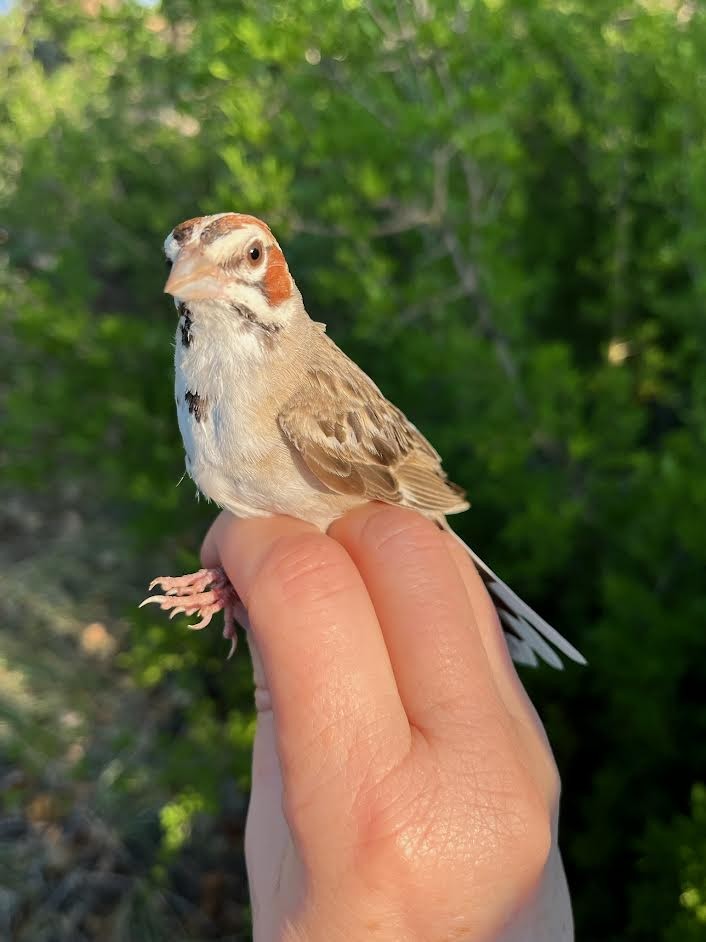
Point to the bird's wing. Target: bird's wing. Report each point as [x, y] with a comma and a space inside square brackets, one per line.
[356, 442]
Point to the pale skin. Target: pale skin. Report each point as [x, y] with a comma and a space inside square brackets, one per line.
[403, 787]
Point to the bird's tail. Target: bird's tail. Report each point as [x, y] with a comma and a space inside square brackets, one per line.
[529, 637]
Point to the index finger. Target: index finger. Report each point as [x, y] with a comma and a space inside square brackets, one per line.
[333, 691]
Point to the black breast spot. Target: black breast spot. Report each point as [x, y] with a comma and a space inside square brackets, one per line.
[197, 405]
[185, 325]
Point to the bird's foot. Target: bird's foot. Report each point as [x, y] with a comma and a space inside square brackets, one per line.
[205, 593]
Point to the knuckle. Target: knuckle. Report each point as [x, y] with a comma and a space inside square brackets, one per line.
[538, 846]
[511, 808]
[397, 528]
[529, 832]
[305, 567]
[552, 783]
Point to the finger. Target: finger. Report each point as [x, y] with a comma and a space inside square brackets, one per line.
[210, 555]
[332, 688]
[422, 605]
[507, 681]
[489, 629]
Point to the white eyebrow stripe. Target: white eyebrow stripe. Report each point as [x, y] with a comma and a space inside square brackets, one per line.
[231, 242]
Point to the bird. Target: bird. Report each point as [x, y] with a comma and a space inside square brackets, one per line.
[276, 419]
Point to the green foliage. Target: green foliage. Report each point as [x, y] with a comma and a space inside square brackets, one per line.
[499, 207]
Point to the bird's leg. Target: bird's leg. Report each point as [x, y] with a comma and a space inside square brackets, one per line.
[205, 593]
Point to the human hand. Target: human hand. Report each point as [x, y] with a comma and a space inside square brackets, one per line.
[403, 787]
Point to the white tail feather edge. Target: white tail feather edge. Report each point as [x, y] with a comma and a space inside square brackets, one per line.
[529, 637]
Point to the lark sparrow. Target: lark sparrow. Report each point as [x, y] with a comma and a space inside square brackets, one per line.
[275, 418]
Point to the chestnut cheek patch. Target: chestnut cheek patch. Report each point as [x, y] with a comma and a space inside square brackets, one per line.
[277, 282]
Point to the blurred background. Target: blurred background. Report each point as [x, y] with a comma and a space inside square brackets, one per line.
[499, 209]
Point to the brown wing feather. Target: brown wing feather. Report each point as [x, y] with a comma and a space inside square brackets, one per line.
[358, 443]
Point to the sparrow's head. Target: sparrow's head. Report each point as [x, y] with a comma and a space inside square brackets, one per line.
[233, 261]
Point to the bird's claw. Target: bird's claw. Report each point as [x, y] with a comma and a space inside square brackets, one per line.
[202, 593]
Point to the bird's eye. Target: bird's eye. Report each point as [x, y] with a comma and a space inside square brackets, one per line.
[255, 253]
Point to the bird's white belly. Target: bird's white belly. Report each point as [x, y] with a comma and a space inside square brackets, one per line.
[248, 478]
[218, 459]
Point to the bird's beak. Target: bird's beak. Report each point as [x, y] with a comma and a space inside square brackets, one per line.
[194, 277]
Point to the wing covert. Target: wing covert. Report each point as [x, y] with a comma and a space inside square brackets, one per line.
[357, 443]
